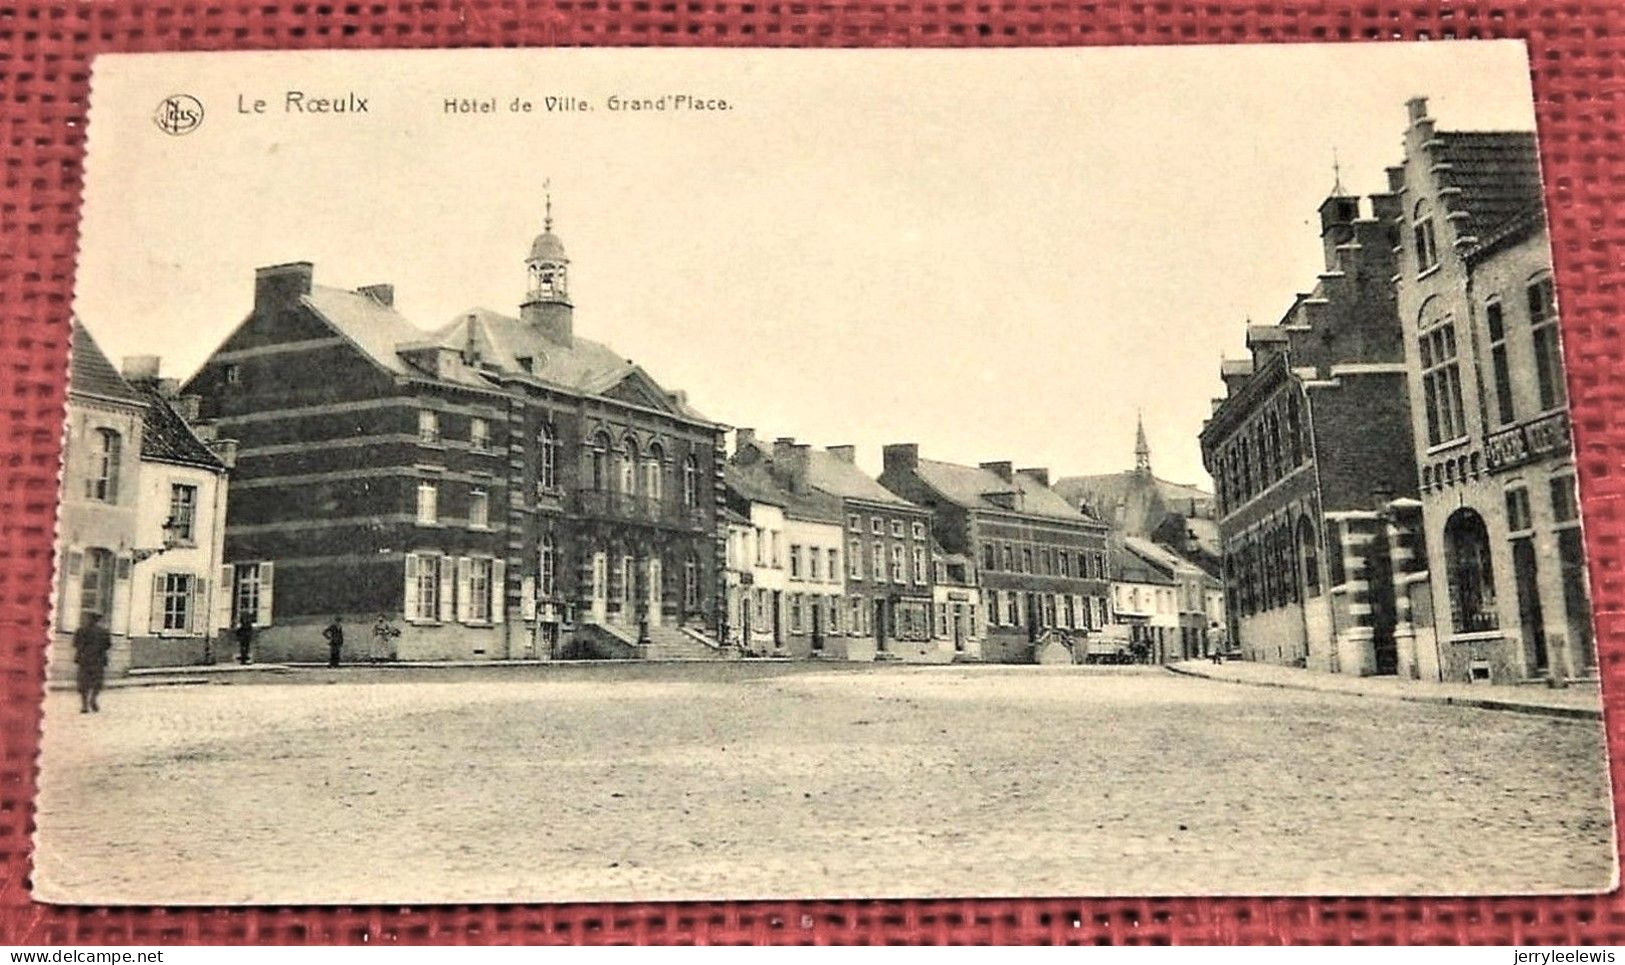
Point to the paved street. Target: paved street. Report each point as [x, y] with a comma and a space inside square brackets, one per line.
[737, 780]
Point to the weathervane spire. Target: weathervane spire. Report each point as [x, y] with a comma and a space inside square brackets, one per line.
[1337, 173]
[547, 192]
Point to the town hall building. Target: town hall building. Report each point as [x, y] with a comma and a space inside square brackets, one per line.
[500, 487]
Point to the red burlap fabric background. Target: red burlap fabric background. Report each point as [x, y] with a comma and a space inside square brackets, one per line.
[1578, 53]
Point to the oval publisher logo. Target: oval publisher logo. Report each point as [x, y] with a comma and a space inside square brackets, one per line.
[178, 114]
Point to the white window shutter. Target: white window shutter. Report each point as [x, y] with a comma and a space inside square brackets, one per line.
[118, 611]
[527, 598]
[262, 618]
[155, 615]
[499, 593]
[197, 615]
[225, 589]
[73, 568]
[410, 594]
[465, 608]
[447, 590]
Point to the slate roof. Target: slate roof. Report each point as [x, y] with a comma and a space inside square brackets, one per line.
[374, 327]
[1498, 173]
[1124, 500]
[813, 506]
[840, 478]
[582, 366]
[1160, 555]
[381, 332]
[90, 372]
[1111, 486]
[752, 483]
[970, 487]
[166, 437]
[1128, 566]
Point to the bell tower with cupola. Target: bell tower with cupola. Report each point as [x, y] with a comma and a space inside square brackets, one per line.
[547, 296]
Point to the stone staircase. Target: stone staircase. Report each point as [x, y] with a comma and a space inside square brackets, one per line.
[681, 643]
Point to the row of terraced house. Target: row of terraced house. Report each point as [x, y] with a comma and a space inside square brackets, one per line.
[502, 488]
[1393, 463]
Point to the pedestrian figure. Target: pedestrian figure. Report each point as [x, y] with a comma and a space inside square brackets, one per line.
[1217, 657]
[90, 645]
[382, 634]
[245, 637]
[335, 641]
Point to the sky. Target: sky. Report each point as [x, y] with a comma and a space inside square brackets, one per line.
[998, 255]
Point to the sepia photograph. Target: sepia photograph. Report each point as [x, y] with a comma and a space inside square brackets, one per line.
[641, 475]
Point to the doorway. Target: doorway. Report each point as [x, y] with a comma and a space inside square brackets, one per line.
[1525, 572]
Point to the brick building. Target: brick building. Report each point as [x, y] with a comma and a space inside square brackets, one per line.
[1041, 563]
[1499, 538]
[497, 488]
[887, 554]
[1309, 450]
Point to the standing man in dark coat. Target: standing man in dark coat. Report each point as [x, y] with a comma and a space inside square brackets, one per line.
[245, 637]
[90, 645]
[335, 641]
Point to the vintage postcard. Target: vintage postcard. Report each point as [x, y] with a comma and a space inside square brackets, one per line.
[970, 473]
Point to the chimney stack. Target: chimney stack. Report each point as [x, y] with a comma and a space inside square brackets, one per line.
[278, 287]
[847, 454]
[383, 294]
[901, 456]
[1042, 475]
[1004, 470]
[225, 450]
[189, 407]
[800, 458]
[744, 438]
[1417, 108]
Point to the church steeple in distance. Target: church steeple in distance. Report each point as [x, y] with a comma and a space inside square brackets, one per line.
[1142, 449]
[547, 294]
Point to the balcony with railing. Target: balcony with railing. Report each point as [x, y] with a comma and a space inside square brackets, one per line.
[637, 508]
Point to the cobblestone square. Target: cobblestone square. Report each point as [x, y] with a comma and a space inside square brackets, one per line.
[641, 782]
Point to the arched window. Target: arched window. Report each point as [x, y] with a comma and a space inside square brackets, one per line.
[104, 468]
[691, 481]
[653, 469]
[1427, 248]
[1468, 570]
[547, 568]
[547, 458]
[600, 462]
[96, 586]
[1309, 553]
[629, 462]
